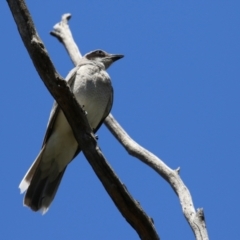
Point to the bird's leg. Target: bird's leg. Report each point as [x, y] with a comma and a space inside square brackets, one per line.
[95, 135]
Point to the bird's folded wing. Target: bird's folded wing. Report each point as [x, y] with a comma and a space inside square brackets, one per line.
[55, 109]
[106, 112]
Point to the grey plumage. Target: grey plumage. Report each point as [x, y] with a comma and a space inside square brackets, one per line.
[92, 87]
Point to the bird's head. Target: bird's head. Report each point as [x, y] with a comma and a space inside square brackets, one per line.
[103, 57]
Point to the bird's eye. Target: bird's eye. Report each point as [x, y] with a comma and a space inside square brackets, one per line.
[100, 53]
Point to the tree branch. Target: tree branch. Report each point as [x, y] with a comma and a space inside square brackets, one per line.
[66, 38]
[57, 86]
[195, 218]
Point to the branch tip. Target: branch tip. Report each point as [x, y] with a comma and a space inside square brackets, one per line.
[66, 17]
[178, 170]
[56, 35]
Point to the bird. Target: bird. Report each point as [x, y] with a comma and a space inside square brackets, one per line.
[91, 85]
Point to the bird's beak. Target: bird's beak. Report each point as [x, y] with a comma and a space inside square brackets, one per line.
[116, 57]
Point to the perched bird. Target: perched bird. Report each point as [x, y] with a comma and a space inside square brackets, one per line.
[91, 85]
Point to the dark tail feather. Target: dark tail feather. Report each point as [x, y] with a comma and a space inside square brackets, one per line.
[42, 191]
[30, 173]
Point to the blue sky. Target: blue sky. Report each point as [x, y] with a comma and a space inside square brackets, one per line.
[176, 93]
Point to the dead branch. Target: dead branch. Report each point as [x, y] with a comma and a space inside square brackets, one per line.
[195, 218]
[58, 88]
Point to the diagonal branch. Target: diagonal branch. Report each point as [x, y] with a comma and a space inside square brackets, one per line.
[195, 218]
[56, 85]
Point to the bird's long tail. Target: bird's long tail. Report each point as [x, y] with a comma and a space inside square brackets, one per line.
[40, 187]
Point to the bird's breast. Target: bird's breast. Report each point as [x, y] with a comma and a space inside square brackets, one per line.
[93, 90]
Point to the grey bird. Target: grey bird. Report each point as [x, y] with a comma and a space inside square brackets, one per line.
[91, 85]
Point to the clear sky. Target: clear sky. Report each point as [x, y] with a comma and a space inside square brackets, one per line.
[176, 93]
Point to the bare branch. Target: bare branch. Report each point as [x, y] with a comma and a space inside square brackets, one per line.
[72, 47]
[57, 86]
[195, 218]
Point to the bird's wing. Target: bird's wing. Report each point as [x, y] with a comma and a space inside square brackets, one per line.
[55, 109]
[107, 111]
